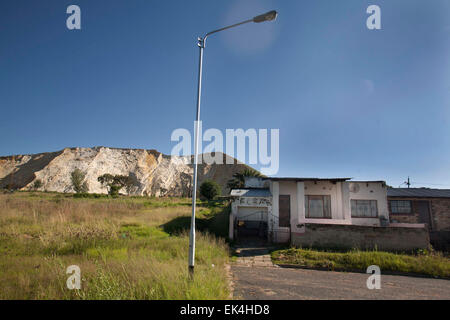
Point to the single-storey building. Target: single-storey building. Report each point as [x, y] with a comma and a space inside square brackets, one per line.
[325, 212]
[423, 205]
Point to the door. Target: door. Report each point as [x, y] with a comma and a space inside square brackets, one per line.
[251, 222]
[423, 209]
[285, 211]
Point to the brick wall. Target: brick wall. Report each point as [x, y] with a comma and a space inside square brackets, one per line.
[440, 235]
[440, 213]
[362, 237]
[412, 217]
[404, 217]
[440, 209]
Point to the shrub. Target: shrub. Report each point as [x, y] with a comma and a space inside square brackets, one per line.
[37, 184]
[78, 183]
[238, 180]
[115, 183]
[210, 189]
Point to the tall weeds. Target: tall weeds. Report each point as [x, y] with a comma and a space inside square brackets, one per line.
[119, 245]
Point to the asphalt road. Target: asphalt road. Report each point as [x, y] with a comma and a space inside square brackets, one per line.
[256, 283]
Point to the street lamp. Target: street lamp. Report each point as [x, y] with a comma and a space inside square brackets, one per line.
[268, 16]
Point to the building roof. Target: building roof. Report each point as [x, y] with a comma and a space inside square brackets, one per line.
[250, 192]
[418, 193]
[307, 179]
[369, 181]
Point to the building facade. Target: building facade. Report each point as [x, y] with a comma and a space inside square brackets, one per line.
[286, 210]
[426, 206]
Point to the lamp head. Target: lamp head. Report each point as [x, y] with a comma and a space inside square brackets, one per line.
[268, 16]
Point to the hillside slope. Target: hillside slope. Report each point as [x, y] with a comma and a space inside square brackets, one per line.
[154, 173]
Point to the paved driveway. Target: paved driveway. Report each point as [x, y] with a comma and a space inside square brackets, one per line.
[269, 282]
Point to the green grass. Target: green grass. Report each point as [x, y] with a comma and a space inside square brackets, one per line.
[122, 246]
[424, 263]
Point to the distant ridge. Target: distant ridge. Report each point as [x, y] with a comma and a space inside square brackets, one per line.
[153, 173]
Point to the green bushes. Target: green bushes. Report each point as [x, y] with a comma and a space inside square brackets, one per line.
[210, 190]
[79, 184]
[37, 184]
[238, 180]
[115, 183]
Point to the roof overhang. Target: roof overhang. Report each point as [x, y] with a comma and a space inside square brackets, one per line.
[250, 192]
[307, 179]
[418, 193]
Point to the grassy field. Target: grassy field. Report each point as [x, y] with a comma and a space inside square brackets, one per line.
[425, 263]
[126, 248]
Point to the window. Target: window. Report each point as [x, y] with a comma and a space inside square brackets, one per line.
[400, 206]
[364, 208]
[318, 207]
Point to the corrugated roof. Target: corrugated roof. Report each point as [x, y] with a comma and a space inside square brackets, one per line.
[250, 192]
[369, 181]
[307, 179]
[418, 193]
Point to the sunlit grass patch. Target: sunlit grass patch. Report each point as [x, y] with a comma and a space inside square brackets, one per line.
[425, 263]
[119, 244]
[136, 230]
[120, 254]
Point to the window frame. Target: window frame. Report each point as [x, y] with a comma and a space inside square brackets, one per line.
[364, 217]
[411, 211]
[307, 205]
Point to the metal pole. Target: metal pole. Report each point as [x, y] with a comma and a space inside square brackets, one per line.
[201, 44]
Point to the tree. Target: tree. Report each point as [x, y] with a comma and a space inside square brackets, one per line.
[238, 180]
[210, 189]
[115, 183]
[37, 184]
[79, 184]
[132, 183]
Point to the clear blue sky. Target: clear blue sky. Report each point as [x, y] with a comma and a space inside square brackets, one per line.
[348, 101]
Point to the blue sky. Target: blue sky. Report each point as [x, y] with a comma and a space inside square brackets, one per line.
[353, 102]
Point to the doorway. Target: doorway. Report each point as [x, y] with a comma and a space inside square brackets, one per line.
[251, 225]
[423, 210]
[283, 233]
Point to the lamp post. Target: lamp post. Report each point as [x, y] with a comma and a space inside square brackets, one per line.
[268, 16]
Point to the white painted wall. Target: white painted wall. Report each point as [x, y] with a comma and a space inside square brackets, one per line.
[252, 213]
[289, 188]
[369, 191]
[300, 202]
[279, 234]
[340, 193]
[297, 192]
[346, 202]
[275, 190]
[231, 227]
[340, 196]
[334, 190]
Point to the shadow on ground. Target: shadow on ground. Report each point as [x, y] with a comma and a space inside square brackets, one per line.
[216, 222]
